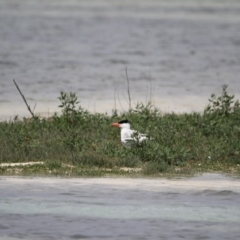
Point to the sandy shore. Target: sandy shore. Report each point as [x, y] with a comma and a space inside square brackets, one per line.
[19, 164]
[205, 181]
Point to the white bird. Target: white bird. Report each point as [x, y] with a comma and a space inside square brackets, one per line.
[127, 134]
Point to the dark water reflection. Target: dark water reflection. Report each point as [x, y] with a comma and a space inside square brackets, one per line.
[182, 50]
[202, 207]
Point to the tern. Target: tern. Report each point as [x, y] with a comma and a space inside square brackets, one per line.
[127, 134]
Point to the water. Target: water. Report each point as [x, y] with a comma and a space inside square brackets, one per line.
[177, 53]
[201, 207]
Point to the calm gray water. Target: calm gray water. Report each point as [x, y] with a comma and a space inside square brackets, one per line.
[201, 207]
[182, 50]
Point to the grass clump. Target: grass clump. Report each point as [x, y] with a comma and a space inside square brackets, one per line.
[78, 142]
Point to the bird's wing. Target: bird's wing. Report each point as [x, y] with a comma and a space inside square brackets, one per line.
[137, 136]
[133, 135]
[128, 134]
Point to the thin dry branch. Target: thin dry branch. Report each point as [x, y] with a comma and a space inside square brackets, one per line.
[34, 107]
[115, 104]
[24, 99]
[128, 89]
[120, 102]
[151, 87]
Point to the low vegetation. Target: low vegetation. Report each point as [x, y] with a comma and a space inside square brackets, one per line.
[78, 143]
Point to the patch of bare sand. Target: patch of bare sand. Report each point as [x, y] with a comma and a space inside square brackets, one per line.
[20, 164]
[201, 182]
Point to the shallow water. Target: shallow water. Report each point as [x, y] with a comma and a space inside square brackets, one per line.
[177, 53]
[201, 207]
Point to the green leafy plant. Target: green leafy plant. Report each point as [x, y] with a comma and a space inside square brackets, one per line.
[222, 105]
[68, 103]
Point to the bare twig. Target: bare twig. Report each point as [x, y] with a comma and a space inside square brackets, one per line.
[115, 104]
[120, 102]
[94, 107]
[125, 97]
[129, 96]
[34, 107]
[151, 87]
[150, 90]
[24, 99]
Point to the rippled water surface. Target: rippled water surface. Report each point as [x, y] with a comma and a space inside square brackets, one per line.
[202, 207]
[177, 52]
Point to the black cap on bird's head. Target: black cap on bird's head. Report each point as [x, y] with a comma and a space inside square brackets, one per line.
[122, 123]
